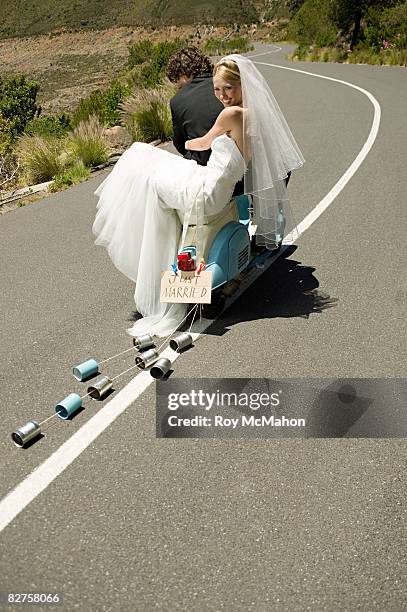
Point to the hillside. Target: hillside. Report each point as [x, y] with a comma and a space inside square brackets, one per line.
[68, 65]
[22, 18]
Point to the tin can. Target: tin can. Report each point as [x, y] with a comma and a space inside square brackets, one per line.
[100, 388]
[143, 342]
[22, 435]
[86, 370]
[146, 358]
[68, 406]
[160, 368]
[180, 342]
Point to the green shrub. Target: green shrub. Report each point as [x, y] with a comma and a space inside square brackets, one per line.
[134, 77]
[147, 116]
[382, 38]
[17, 106]
[392, 57]
[140, 52]
[49, 125]
[219, 46]
[40, 158]
[103, 104]
[152, 71]
[86, 143]
[150, 75]
[72, 176]
[112, 98]
[312, 25]
[314, 55]
[339, 55]
[277, 10]
[325, 56]
[402, 57]
[300, 53]
[239, 45]
[387, 26]
[153, 123]
[6, 136]
[361, 55]
[92, 105]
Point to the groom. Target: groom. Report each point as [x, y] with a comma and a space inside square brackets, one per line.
[194, 108]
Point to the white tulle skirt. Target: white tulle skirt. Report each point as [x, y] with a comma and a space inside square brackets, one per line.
[138, 220]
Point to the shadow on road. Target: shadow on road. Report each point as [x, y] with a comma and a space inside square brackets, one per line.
[336, 410]
[287, 289]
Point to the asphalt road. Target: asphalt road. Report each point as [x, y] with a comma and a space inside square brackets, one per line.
[136, 523]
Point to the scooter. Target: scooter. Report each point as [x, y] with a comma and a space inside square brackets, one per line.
[229, 250]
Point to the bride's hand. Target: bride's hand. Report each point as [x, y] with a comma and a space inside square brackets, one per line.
[228, 120]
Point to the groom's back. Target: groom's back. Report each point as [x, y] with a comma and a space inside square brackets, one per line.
[194, 110]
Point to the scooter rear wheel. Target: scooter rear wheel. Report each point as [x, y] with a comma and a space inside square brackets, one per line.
[212, 310]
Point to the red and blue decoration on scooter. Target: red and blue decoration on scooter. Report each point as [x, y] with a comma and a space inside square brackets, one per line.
[186, 263]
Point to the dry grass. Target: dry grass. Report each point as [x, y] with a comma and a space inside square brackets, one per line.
[391, 57]
[87, 143]
[40, 158]
[68, 66]
[146, 114]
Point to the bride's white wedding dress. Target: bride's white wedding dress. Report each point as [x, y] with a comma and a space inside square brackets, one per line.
[139, 216]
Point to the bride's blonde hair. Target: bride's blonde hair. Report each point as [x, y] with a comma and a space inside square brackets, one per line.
[227, 70]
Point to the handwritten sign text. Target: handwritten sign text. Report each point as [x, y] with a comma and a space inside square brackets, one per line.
[186, 288]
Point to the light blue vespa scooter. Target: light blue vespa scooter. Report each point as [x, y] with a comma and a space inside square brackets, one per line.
[230, 249]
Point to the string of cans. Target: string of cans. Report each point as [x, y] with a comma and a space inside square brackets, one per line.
[148, 357]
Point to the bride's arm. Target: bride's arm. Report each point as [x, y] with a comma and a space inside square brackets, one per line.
[224, 123]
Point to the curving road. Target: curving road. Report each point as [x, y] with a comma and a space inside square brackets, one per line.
[130, 522]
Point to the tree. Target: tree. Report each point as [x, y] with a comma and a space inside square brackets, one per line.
[18, 103]
[311, 25]
[347, 15]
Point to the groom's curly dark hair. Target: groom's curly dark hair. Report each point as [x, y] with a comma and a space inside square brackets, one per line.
[189, 62]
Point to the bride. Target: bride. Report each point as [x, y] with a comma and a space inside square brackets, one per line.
[151, 192]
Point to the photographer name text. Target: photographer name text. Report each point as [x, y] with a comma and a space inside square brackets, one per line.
[233, 423]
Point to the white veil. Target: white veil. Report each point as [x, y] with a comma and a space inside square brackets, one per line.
[272, 151]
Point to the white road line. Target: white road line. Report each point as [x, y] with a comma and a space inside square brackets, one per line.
[345, 178]
[42, 476]
[276, 50]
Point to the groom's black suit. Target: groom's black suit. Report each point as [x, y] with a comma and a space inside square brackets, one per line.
[194, 110]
